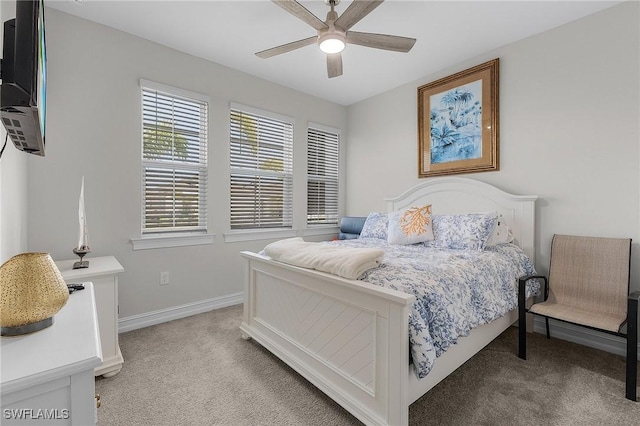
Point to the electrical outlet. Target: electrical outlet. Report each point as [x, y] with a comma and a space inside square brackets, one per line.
[164, 278]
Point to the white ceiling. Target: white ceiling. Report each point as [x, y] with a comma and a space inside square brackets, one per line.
[230, 32]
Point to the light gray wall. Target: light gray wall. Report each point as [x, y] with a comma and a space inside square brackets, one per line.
[13, 181]
[94, 130]
[569, 131]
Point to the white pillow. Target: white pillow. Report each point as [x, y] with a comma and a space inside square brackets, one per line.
[501, 234]
[410, 226]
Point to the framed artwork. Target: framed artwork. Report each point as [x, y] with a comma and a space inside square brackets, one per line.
[458, 123]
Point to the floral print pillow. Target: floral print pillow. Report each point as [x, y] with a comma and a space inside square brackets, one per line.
[463, 232]
[375, 226]
[410, 226]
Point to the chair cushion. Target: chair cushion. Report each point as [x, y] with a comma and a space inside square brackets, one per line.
[610, 322]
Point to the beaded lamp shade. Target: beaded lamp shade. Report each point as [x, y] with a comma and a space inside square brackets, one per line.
[32, 290]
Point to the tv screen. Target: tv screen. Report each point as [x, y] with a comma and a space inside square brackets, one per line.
[24, 77]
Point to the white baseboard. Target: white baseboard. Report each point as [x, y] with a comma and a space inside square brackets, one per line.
[176, 312]
[561, 330]
[583, 336]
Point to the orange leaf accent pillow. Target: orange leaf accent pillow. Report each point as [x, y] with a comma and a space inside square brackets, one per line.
[410, 226]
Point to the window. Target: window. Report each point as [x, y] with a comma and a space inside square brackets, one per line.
[323, 146]
[261, 146]
[174, 159]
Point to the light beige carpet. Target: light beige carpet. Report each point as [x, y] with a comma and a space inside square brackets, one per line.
[198, 371]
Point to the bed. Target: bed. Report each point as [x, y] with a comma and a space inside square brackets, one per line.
[378, 385]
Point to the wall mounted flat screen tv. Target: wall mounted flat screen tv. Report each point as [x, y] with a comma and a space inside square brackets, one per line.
[24, 77]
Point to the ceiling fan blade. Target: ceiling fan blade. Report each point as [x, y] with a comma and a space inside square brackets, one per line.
[357, 10]
[381, 41]
[334, 64]
[286, 47]
[301, 12]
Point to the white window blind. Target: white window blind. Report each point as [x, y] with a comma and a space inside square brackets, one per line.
[323, 147]
[261, 146]
[174, 159]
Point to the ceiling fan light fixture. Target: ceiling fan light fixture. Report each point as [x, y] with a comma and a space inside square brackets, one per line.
[331, 43]
[333, 32]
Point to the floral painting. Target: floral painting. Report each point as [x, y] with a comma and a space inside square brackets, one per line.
[458, 122]
[455, 124]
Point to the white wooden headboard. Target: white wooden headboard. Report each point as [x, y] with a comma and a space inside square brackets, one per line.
[456, 195]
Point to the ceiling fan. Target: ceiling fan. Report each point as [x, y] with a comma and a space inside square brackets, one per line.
[334, 34]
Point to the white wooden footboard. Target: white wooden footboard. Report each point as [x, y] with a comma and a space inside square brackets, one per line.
[348, 338]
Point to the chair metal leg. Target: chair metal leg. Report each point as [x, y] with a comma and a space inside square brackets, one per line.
[546, 320]
[522, 320]
[632, 346]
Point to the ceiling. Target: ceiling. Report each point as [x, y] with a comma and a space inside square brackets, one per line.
[230, 32]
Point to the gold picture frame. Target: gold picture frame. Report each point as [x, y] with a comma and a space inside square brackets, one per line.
[458, 118]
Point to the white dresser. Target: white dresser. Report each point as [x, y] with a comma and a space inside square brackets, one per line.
[103, 273]
[47, 376]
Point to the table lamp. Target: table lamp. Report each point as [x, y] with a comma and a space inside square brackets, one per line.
[32, 290]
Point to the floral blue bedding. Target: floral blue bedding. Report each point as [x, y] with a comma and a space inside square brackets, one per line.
[456, 290]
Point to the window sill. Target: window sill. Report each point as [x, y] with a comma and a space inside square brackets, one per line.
[164, 241]
[321, 230]
[261, 234]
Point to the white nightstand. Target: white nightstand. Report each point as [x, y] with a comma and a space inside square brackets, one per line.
[103, 273]
[47, 377]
